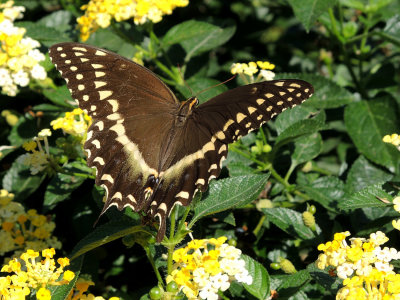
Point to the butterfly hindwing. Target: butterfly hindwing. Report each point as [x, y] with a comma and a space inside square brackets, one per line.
[150, 153]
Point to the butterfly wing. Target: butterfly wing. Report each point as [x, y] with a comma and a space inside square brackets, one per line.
[132, 113]
[200, 147]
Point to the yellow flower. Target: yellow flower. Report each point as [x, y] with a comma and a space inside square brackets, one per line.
[393, 139]
[43, 294]
[247, 71]
[99, 13]
[75, 122]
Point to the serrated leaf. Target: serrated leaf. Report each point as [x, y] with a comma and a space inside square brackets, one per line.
[298, 129]
[328, 191]
[367, 123]
[196, 37]
[363, 174]
[289, 221]
[292, 116]
[323, 278]
[327, 94]
[260, 285]
[19, 180]
[308, 11]
[106, 233]
[367, 197]
[306, 148]
[229, 193]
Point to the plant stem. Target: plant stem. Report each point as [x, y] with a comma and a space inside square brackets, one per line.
[150, 258]
[259, 225]
[171, 247]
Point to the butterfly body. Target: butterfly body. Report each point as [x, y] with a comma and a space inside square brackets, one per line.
[151, 151]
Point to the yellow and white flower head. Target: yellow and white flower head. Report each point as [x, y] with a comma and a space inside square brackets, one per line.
[393, 139]
[247, 71]
[19, 56]
[363, 265]
[100, 13]
[207, 266]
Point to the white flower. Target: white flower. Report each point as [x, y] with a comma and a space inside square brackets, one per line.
[38, 72]
[5, 78]
[345, 270]
[244, 277]
[10, 90]
[36, 55]
[21, 78]
[208, 292]
[44, 132]
[28, 42]
[385, 267]
[200, 277]
[220, 281]
[267, 74]
[14, 12]
[230, 252]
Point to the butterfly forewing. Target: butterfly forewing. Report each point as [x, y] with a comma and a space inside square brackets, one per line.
[147, 154]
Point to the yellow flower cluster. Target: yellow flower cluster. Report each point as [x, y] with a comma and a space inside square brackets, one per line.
[396, 206]
[363, 265]
[207, 266]
[38, 160]
[22, 230]
[393, 139]
[19, 56]
[262, 67]
[33, 274]
[75, 122]
[100, 13]
[80, 288]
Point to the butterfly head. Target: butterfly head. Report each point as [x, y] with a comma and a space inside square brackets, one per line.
[187, 106]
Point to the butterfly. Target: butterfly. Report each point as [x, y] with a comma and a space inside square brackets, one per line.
[151, 151]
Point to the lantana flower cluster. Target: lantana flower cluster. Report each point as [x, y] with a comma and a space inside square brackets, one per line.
[75, 122]
[207, 266]
[248, 71]
[100, 13]
[393, 139]
[19, 56]
[396, 206]
[38, 158]
[363, 265]
[31, 273]
[21, 230]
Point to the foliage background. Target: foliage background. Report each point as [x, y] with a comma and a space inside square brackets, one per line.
[327, 153]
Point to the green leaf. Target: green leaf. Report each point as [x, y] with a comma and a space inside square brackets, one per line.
[290, 284]
[298, 129]
[229, 193]
[363, 174]
[289, 221]
[106, 233]
[196, 37]
[292, 116]
[323, 278]
[45, 35]
[327, 191]
[367, 197]
[260, 285]
[327, 94]
[19, 180]
[60, 96]
[308, 11]
[306, 148]
[62, 185]
[60, 19]
[367, 123]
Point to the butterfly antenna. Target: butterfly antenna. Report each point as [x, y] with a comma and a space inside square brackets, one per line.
[183, 79]
[213, 86]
